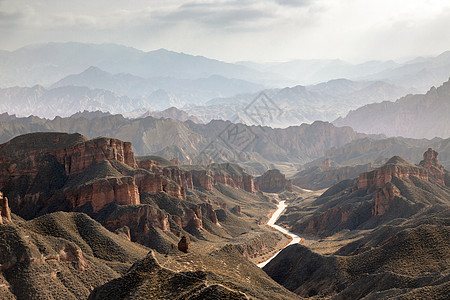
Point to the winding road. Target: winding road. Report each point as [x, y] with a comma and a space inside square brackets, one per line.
[295, 238]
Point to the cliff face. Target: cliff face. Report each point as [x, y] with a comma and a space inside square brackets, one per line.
[77, 158]
[431, 163]
[207, 179]
[316, 178]
[124, 191]
[383, 175]
[273, 181]
[397, 189]
[5, 212]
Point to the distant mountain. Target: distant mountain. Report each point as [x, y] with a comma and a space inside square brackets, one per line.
[171, 113]
[418, 74]
[185, 91]
[310, 71]
[414, 116]
[299, 104]
[45, 64]
[64, 101]
[255, 146]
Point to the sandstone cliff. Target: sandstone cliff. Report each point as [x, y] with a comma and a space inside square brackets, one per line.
[397, 189]
[273, 181]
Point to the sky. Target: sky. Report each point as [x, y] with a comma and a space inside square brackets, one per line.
[240, 30]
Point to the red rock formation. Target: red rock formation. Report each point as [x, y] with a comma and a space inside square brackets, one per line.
[380, 179]
[203, 179]
[139, 219]
[192, 217]
[384, 174]
[384, 197]
[184, 244]
[211, 214]
[150, 165]
[273, 181]
[102, 192]
[77, 158]
[5, 213]
[148, 182]
[431, 163]
[207, 179]
[181, 177]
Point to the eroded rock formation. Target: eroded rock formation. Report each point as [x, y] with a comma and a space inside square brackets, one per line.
[395, 167]
[431, 163]
[76, 159]
[273, 181]
[5, 213]
[184, 244]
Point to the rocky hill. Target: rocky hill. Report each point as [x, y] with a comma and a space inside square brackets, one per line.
[414, 116]
[61, 255]
[149, 201]
[397, 189]
[384, 234]
[223, 274]
[60, 182]
[317, 178]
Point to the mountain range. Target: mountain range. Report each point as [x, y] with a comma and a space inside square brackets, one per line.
[73, 77]
[299, 104]
[414, 116]
[256, 147]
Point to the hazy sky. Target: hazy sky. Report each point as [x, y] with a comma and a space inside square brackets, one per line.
[264, 30]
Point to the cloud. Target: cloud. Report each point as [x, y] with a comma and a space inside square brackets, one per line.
[224, 14]
[294, 3]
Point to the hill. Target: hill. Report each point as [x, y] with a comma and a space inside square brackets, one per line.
[413, 116]
[223, 274]
[61, 255]
[384, 234]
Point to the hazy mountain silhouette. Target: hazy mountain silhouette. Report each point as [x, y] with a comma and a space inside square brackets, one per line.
[414, 116]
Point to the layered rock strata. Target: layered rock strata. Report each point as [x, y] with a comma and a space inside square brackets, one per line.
[273, 181]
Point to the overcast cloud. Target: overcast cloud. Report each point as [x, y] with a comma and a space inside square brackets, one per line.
[265, 30]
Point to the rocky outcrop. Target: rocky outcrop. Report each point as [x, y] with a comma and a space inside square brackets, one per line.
[5, 213]
[140, 220]
[431, 163]
[273, 181]
[203, 179]
[395, 167]
[226, 174]
[184, 244]
[384, 197]
[148, 164]
[316, 178]
[124, 191]
[76, 159]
